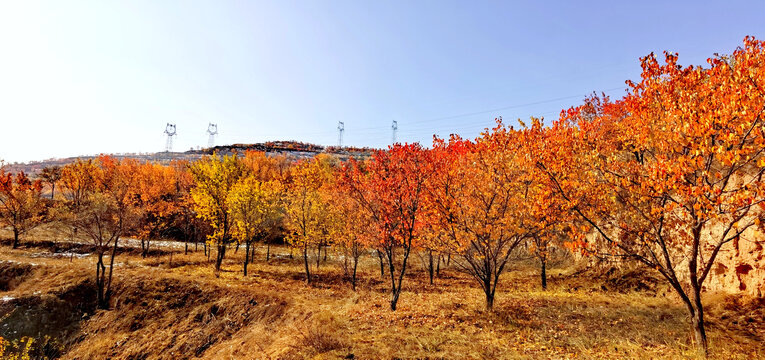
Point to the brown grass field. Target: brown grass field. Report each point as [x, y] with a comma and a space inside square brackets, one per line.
[174, 306]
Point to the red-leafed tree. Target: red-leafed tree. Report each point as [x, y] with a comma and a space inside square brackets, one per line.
[390, 188]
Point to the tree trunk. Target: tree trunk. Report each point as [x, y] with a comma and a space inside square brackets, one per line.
[438, 266]
[430, 266]
[268, 251]
[396, 288]
[219, 257]
[489, 300]
[305, 261]
[108, 292]
[325, 253]
[394, 300]
[544, 273]
[699, 332]
[52, 190]
[186, 250]
[100, 271]
[318, 256]
[246, 257]
[15, 238]
[237, 247]
[382, 267]
[487, 290]
[353, 277]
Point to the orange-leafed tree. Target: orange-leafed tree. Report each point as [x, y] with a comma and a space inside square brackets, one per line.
[265, 167]
[672, 172]
[185, 225]
[480, 199]
[158, 200]
[78, 180]
[100, 202]
[268, 168]
[21, 204]
[390, 188]
[353, 231]
[549, 218]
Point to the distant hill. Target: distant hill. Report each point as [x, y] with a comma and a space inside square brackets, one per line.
[295, 149]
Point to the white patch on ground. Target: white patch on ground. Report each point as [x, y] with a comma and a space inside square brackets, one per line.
[65, 255]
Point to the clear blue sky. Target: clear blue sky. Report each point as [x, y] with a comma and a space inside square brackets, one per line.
[82, 78]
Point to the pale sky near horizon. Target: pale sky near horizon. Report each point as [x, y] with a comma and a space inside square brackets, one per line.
[89, 77]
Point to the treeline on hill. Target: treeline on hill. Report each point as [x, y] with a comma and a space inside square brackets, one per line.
[289, 146]
[665, 176]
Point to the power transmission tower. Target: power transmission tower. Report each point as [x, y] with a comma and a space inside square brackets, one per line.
[212, 129]
[394, 127]
[170, 132]
[340, 131]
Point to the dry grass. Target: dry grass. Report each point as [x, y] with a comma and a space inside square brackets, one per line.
[184, 309]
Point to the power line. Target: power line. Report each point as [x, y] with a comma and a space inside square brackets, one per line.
[449, 117]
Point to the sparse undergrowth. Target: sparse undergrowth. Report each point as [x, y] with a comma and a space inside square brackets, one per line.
[185, 309]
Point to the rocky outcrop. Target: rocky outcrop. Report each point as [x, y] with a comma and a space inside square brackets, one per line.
[741, 265]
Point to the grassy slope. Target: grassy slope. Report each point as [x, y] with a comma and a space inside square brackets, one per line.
[183, 309]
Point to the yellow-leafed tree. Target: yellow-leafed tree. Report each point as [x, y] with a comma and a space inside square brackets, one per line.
[214, 178]
[256, 211]
[310, 221]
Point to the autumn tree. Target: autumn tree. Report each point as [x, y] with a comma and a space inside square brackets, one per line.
[191, 227]
[672, 172]
[158, 198]
[101, 205]
[78, 180]
[309, 221]
[255, 207]
[390, 188]
[479, 200]
[548, 218]
[265, 167]
[21, 204]
[184, 224]
[268, 167]
[51, 175]
[353, 231]
[214, 178]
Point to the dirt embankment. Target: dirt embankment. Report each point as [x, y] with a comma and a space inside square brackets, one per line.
[51, 317]
[151, 313]
[172, 318]
[12, 274]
